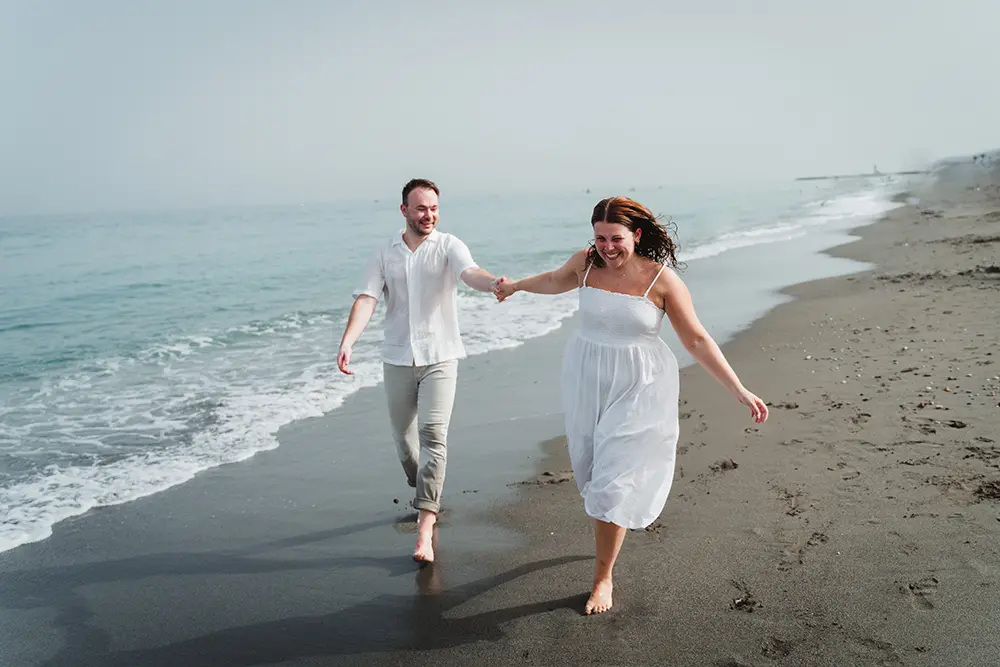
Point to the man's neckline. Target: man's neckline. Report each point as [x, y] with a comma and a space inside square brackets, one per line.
[400, 239]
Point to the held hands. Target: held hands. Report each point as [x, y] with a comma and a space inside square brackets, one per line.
[503, 288]
[758, 409]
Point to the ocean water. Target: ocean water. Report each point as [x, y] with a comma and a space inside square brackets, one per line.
[139, 349]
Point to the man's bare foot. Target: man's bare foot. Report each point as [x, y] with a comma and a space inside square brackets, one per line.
[600, 598]
[424, 551]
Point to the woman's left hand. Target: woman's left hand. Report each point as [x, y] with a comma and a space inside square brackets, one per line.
[503, 289]
[758, 409]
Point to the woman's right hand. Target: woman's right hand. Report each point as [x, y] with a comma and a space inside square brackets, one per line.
[504, 288]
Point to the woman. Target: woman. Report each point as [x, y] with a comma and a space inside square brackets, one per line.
[619, 379]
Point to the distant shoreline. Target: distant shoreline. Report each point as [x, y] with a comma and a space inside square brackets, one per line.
[875, 174]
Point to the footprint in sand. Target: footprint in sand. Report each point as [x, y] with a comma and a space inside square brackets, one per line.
[724, 464]
[877, 649]
[746, 602]
[775, 648]
[793, 506]
[860, 418]
[989, 490]
[795, 553]
[920, 593]
[548, 477]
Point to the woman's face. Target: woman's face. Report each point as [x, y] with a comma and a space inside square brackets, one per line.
[615, 243]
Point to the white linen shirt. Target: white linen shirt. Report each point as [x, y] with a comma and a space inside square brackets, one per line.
[421, 297]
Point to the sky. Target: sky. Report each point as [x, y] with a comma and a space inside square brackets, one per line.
[110, 105]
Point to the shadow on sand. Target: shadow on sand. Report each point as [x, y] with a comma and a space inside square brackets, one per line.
[385, 623]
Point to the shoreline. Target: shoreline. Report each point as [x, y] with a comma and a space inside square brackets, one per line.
[774, 561]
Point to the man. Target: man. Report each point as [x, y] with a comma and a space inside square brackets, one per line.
[418, 272]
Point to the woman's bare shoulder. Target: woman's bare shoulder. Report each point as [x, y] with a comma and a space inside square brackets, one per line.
[578, 260]
[668, 283]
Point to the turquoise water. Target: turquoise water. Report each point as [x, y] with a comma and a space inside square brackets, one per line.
[137, 349]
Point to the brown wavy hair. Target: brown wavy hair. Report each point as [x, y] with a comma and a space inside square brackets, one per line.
[657, 241]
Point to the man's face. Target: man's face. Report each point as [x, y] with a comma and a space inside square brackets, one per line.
[421, 211]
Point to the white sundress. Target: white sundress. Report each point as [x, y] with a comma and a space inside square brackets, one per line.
[620, 389]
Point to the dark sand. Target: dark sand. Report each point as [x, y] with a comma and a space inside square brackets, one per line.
[859, 526]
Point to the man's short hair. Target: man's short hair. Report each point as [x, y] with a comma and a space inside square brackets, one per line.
[419, 183]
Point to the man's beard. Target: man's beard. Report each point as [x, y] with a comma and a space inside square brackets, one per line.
[415, 228]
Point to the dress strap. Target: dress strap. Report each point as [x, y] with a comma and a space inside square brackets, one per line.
[587, 273]
[654, 280]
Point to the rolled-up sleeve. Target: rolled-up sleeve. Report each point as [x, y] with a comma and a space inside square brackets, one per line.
[373, 282]
[459, 258]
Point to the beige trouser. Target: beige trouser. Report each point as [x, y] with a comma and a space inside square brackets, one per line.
[420, 403]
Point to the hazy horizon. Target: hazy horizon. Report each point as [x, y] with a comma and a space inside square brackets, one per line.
[111, 105]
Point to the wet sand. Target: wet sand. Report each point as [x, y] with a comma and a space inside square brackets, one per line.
[859, 526]
[298, 553]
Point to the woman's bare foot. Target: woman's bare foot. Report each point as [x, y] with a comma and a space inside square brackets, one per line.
[424, 551]
[600, 598]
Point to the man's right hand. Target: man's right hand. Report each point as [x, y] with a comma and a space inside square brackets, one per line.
[504, 288]
[343, 360]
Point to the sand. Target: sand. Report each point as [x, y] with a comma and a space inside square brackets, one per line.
[859, 526]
